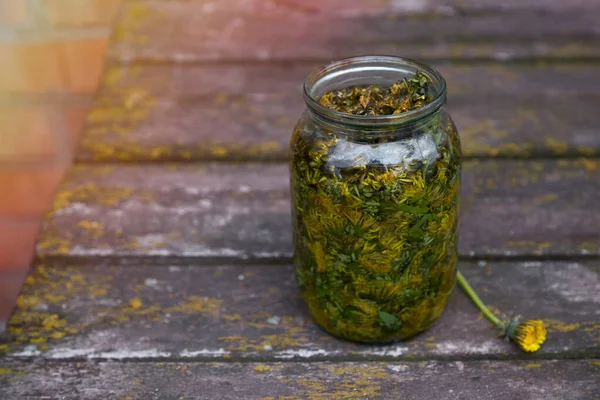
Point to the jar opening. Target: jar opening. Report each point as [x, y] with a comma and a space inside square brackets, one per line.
[371, 70]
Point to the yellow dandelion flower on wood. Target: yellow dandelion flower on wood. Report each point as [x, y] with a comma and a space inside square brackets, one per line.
[529, 335]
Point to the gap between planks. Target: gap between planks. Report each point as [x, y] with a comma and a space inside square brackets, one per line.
[199, 261]
[569, 156]
[484, 61]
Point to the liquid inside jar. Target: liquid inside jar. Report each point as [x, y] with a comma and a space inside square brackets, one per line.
[376, 214]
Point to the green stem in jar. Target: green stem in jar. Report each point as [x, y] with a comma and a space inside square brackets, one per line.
[475, 298]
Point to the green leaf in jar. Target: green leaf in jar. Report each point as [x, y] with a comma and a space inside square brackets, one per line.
[412, 209]
[389, 320]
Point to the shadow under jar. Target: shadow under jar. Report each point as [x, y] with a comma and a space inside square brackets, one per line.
[375, 205]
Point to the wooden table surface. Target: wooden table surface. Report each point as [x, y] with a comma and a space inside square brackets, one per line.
[163, 269]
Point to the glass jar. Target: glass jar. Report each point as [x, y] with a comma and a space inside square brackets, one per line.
[375, 206]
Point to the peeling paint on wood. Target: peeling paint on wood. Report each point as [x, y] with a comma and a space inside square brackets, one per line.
[241, 212]
[494, 380]
[78, 313]
[528, 111]
[194, 31]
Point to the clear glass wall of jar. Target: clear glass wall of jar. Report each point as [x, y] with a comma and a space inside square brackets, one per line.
[375, 206]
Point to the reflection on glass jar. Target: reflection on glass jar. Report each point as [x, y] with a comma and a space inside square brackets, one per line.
[375, 206]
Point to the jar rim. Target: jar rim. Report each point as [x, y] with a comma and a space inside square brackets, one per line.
[362, 64]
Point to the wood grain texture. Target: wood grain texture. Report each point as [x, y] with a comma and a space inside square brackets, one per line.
[226, 212]
[247, 112]
[379, 7]
[132, 297]
[292, 30]
[491, 380]
[147, 311]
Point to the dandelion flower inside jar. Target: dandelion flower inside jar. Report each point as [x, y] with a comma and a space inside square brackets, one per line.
[375, 180]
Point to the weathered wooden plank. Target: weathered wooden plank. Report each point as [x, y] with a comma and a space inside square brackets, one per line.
[149, 311]
[196, 31]
[492, 380]
[238, 212]
[158, 112]
[376, 7]
[190, 81]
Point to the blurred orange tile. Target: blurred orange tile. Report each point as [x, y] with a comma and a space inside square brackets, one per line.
[30, 67]
[10, 287]
[26, 134]
[70, 13]
[28, 192]
[75, 121]
[17, 241]
[13, 12]
[83, 63]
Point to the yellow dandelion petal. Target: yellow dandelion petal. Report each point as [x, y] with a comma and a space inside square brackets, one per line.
[320, 257]
[530, 335]
[135, 303]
